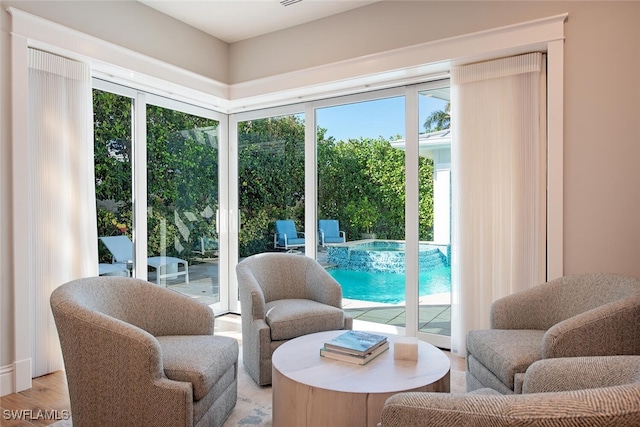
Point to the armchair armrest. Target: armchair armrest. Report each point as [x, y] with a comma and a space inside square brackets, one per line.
[594, 407]
[251, 295]
[579, 373]
[606, 330]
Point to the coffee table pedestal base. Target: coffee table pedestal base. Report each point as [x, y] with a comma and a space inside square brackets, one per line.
[300, 405]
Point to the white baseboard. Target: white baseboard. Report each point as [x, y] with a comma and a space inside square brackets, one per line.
[6, 380]
[15, 377]
[23, 374]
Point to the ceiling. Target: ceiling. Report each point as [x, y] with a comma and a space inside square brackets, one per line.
[236, 20]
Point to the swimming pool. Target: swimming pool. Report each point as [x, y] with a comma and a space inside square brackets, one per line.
[384, 256]
[389, 287]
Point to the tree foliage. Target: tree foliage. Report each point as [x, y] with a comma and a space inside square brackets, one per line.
[438, 119]
[182, 175]
[361, 182]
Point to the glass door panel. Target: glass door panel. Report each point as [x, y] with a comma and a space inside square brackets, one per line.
[271, 184]
[361, 185]
[434, 294]
[113, 174]
[182, 202]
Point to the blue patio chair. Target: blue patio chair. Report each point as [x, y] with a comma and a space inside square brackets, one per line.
[330, 232]
[286, 235]
[121, 249]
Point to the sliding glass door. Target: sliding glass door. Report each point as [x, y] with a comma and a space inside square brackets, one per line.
[270, 193]
[350, 159]
[434, 205]
[361, 193]
[171, 156]
[182, 201]
[113, 124]
[166, 155]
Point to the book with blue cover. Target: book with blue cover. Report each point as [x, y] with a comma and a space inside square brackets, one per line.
[354, 358]
[356, 342]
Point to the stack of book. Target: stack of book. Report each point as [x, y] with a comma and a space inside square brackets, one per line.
[355, 347]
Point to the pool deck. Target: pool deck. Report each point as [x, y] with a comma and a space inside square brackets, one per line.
[434, 310]
[434, 313]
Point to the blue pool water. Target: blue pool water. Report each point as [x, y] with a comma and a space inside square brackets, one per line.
[389, 287]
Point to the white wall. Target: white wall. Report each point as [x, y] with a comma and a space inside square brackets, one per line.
[138, 27]
[376, 28]
[602, 96]
[6, 282]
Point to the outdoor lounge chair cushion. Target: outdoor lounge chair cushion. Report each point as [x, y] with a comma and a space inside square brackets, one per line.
[291, 318]
[287, 228]
[592, 314]
[330, 231]
[121, 248]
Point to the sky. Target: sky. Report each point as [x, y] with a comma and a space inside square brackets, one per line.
[371, 119]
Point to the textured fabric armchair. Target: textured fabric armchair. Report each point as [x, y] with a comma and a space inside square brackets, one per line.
[284, 296]
[601, 391]
[136, 354]
[578, 315]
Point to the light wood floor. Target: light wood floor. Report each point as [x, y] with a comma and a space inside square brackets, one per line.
[46, 402]
[48, 399]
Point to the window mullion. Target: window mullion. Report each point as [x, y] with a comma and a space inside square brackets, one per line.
[139, 148]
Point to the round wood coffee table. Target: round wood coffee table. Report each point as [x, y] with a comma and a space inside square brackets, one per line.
[310, 390]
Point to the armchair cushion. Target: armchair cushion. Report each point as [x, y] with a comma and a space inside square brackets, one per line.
[505, 352]
[290, 318]
[200, 360]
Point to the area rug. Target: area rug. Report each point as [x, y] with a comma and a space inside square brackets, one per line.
[253, 407]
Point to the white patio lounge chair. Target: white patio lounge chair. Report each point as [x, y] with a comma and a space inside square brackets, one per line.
[121, 248]
[113, 270]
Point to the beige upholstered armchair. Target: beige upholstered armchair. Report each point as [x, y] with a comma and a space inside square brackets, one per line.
[136, 354]
[284, 296]
[601, 391]
[578, 315]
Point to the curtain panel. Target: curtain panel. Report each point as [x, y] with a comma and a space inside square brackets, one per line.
[62, 231]
[498, 186]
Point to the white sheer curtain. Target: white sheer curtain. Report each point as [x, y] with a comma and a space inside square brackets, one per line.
[498, 186]
[62, 231]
